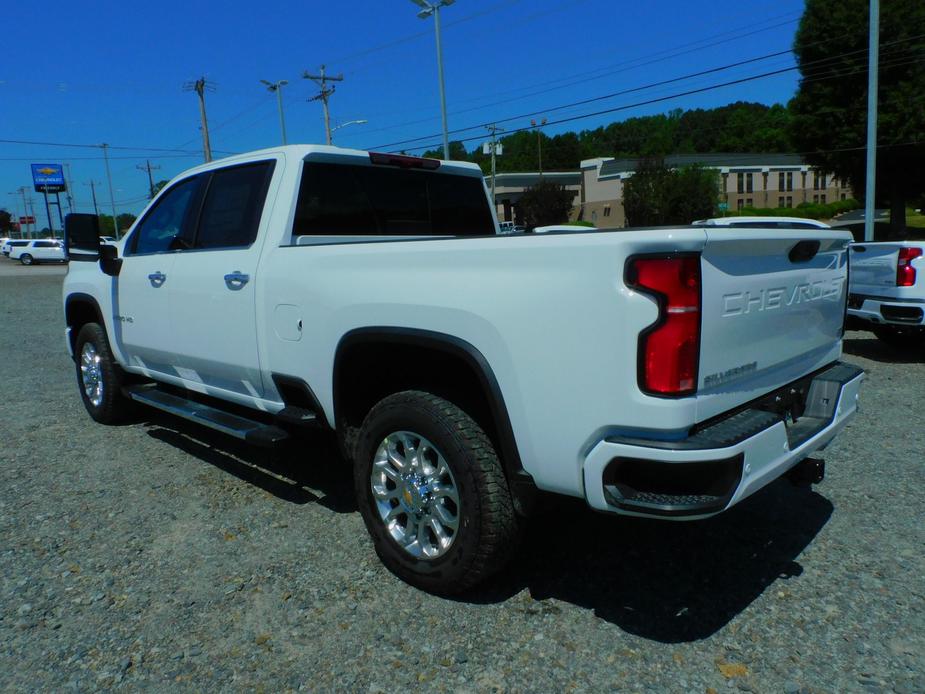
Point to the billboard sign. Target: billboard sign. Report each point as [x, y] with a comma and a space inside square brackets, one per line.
[48, 178]
[27, 220]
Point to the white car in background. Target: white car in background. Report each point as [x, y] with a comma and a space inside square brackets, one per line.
[10, 244]
[762, 223]
[39, 251]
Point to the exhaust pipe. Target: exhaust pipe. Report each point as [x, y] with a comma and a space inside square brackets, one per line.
[807, 472]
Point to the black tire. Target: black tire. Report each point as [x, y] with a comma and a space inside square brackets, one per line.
[487, 525]
[113, 407]
[901, 337]
[26, 259]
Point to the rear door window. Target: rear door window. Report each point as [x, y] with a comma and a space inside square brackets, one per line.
[357, 200]
[232, 206]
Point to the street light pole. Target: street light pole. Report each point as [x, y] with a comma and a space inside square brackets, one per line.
[278, 88]
[873, 63]
[343, 125]
[428, 10]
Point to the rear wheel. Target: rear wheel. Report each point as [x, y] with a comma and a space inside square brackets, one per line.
[99, 376]
[26, 259]
[900, 336]
[432, 493]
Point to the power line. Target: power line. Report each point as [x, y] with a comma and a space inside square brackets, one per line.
[625, 66]
[674, 96]
[89, 146]
[821, 63]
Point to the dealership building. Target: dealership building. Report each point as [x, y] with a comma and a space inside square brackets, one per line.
[746, 180]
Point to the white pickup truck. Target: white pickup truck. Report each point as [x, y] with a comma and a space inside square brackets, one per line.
[887, 290]
[665, 372]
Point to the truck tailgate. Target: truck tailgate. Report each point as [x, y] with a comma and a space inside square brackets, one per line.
[773, 306]
[873, 266]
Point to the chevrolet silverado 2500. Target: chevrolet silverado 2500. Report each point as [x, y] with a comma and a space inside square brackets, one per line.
[666, 373]
[887, 290]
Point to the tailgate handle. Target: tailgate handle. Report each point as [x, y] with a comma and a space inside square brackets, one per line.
[803, 251]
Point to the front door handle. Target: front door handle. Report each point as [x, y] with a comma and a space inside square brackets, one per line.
[235, 280]
[157, 279]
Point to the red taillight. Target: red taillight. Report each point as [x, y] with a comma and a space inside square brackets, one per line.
[669, 351]
[905, 273]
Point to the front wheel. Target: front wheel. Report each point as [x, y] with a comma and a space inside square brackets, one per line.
[432, 493]
[99, 376]
[26, 259]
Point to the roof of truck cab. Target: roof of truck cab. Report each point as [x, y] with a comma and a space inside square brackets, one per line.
[321, 152]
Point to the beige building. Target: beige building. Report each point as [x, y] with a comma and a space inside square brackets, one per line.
[510, 187]
[747, 180]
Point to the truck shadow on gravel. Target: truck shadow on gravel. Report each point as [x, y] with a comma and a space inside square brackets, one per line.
[293, 472]
[875, 350]
[667, 581]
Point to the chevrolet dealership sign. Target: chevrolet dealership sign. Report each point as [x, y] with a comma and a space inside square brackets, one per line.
[48, 178]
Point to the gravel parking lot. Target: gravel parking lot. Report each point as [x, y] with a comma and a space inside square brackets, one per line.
[159, 554]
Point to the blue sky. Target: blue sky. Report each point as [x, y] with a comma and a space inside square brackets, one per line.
[113, 72]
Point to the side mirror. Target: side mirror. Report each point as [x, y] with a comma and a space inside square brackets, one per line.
[110, 262]
[82, 237]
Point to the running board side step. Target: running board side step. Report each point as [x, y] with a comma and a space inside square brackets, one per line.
[242, 428]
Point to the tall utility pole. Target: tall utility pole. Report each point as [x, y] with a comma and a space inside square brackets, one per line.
[278, 88]
[112, 199]
[70, 198]
[201, 86]
[428, 9]
[96, 208]
[539, 142]
[147, 167]
[494, 130]
[325, 93]
[873, 66]
[22, 191]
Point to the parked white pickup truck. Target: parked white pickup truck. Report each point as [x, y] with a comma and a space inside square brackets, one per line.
[666, 373]
[887, 290]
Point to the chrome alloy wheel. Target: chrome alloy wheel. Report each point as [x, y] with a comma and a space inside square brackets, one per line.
[415, 494]
[91, 374]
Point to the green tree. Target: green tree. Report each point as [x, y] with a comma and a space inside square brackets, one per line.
[545, 203]
[159, 186]
[6, 222]
[457, 152]
[125, 221]
[657, 195]
[830, 109]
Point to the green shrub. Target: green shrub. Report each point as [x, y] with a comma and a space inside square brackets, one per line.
[807, 210]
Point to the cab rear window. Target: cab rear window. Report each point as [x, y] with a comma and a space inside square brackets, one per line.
[356, 200]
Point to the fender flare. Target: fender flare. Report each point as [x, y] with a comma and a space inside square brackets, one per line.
[520, 482]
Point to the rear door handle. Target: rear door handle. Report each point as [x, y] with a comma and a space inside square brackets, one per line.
[237, 279]
[157, 279]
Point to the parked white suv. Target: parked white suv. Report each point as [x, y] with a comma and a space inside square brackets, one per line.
[10, 244]
[667, 373]
[39, 251]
